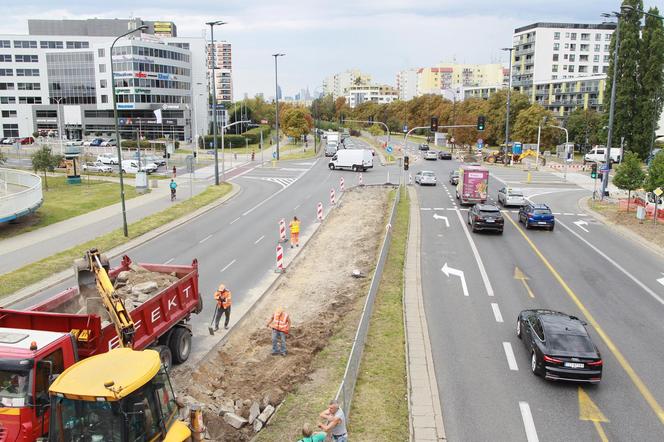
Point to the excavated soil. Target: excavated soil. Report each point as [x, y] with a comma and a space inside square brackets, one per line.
[317, 290]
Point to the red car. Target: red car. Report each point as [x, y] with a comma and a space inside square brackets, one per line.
[27, 140]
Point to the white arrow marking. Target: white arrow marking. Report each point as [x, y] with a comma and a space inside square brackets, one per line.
[456, 272]
[661, 280]
[436, 216]
[580, 223]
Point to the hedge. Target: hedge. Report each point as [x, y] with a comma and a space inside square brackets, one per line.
[231, 140]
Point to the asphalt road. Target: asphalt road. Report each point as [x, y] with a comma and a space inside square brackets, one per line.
[607, 280]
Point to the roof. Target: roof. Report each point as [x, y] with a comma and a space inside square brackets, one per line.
[21, 339]
[607, 25]
[489, 208]
[556, 323]
[85, 380]
[541, 206]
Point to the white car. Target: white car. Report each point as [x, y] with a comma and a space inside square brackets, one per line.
[97, 166]
[132, 166]
[598, 155]
[425, 177]
[109, 142]
[106, 158]
[74, 143]
[508, 196]
[430, 155]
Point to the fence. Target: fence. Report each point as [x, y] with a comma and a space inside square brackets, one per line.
[347, 387]
[20, 193]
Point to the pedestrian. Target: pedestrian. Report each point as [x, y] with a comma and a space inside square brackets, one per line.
[253, 155]
[223, 307]
[173, 185]
[280, 324]
[309, 436]
[294, 232]
[174, 172]
[336, 422]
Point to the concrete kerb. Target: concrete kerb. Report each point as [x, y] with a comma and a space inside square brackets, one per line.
[47, 283]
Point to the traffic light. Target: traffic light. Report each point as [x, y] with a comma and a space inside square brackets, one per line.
[434, 124]
[593, 171]
[405, 162]
[480, 122]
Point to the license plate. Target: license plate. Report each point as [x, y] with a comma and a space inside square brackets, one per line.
[489, 221]
[541, 222]
[573, 365]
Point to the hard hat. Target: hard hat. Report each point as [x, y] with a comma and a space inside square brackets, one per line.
[222, 287]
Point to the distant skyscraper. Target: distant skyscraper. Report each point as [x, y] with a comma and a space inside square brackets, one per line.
[279, 96]
[223, 69]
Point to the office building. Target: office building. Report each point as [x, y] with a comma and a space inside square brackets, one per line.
[382, 94]
[338, 84]
[222, 51]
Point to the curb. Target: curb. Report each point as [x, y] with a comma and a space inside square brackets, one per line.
[623, 231]
[47, 283]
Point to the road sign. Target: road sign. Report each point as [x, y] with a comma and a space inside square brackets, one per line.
[274, 155]
[604, 168]
[389, 149]
[405, 129]
[658, 191]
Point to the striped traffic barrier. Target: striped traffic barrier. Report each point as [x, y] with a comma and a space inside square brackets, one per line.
[332, 201]
[359, 180]
[280, 259]
[341, 184]
[282, 230]
[319, 211]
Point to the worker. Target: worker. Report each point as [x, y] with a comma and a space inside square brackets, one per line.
[223, 307]
[280, 324]
[336, 422]
[294, 232]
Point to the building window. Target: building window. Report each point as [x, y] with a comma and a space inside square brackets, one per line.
[607, 37]
[597, 48]
[554, 68]
[5, 58]
[104, 98]
[8, 114]
[555, 57]
[556, 35]
[573, 35]
[10, 130]
[29, 86]
[572, 47]
[556, 46]
[102, 68]
[5, 44]
[7, 100]
[78, 45]
[101, 53]
[26, 58]
[71, 77]
[50, 44]
[566, 45]
[6, 86]
[585, 37]
[566, 34]
[566, 56]
[6, 72]
[606, 59]
[596, 58]
[595, 69]
[29, 100]
[46, 114]
[570, 68]
[572, 57]
[27, 72]
[25, 44]
[605, 69]
[583, 58]
[606, 48]
[585, 48]
[583, 69]
[598, 37]
[103, 83]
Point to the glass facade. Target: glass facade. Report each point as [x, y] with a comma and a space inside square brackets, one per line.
[151, 52]
[149, 66]
[71, 77]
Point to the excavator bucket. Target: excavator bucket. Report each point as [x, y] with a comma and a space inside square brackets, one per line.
[85, 274]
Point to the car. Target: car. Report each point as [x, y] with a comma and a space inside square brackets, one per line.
[158, 160]
[96, 142]
[559, 346]
[425, 177]
[430, 155]
[109, 142]
[508, 196]
[97, 166]
[454, 177]
[486, 217]
[26, 140]
[9, 141]
[107, 158]
[423, 146]
[444, 155]
[75, 143]
[537, 215]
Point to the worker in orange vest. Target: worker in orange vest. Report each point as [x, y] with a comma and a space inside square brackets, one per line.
[223, 307]
[294, 232]
[280, 324]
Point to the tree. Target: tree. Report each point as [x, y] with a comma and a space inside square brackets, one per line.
[296, 122]
[376, 130]
[496, 112]
[2, 158]
[43, 160]
[585, 127]
[655, 176]
[527, 123]
[629, 175]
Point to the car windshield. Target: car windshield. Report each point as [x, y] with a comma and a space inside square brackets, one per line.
[74, 420]
[570, 343]
[517, 194]
[490, 212]
[14, 388]
[542, 212]
[428, 174]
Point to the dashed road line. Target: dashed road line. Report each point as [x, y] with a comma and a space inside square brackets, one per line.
[496, 312]
[509, 353]
[259, 239]
[236, 219]
[227, 266]
[205, 239]
[528, 423]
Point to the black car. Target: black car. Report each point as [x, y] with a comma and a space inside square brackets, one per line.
[486, 217]
[423, 146]
[444, 155]
[537, 215]
[454, 177]
[559, 346]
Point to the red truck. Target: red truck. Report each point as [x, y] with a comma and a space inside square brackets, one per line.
[39, 343]
[473, 184]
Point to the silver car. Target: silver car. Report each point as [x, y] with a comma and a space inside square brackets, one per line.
[425, 177]
[430, 155]
[508, 196]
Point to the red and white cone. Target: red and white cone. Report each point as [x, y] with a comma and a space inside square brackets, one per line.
[341, 183]
[332, 201]
[282, 230]
[359, 180]
[319, 212]
[280, 259]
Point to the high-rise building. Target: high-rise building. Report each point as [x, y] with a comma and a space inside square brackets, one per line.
[452, 76]
[223, 69]
[407, 84]
[382, 94]
[337, 84]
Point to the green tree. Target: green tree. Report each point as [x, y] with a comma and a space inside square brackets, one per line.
[496, 112]
[629, 174]
[44, 161]
[585, 127]
[527, 123]
[296, 122]
[2, 158]
[376, 130]
[655, 176]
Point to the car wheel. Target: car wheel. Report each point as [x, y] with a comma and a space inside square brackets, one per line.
[354, 168]
[518, 328]
[527, 224]
[331, 166]
[551, 228]
[533, 364]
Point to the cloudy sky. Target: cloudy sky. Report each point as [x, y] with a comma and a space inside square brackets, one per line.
[322, 37]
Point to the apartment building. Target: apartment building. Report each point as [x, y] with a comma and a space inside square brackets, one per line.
[382, 94]
[407, 84]
[222, 51]
[338, 84]
[450, 76]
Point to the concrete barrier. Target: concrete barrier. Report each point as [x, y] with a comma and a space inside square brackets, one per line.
[20, 194]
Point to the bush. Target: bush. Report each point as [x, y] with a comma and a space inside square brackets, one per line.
[131, 144]
[327, 125]
[231, 140]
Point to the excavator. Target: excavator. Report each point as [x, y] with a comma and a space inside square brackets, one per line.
[499, 156]
[121, 395]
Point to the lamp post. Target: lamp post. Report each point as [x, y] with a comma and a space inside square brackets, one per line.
[509, 93]
[60, 130]
[117, 129]
[212, 24]
[276, 98]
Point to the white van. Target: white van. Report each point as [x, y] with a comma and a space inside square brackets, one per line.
[354, 159]
[597, 155]
[132, 166]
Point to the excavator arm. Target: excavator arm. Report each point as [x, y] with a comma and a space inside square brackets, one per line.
[92, 269]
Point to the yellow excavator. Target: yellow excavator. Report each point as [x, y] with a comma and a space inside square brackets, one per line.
[121, 395]
[499, 156]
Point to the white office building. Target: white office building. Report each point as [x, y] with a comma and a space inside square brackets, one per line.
[382, 94]
[407, 84]
[337, 85]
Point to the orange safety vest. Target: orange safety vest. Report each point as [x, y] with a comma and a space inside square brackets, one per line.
[223, 298]
[295, 227]
[281, 322]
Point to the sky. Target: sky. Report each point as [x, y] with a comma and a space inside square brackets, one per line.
[321, 38]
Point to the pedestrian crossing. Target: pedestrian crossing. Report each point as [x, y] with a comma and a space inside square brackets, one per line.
[282, 181]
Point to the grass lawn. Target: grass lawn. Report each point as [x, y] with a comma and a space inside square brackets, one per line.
[295, 152]
[380, 406]
[63, 201]
[32, 273]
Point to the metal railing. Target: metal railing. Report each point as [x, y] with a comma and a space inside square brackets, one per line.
[347, 387]
[20, 193]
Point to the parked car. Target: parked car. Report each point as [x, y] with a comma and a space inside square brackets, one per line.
[430, 155]
[425, 177]
[133, 166]
[107, 158]
[559, 346]
[97, 166]
[109, 142]
[96, 142]
[159, 161]
[75, 143]
[486, 217]
[454, 177]
[598, 155]
[423, 146]
[9, 141]
[536, 215]
[508, 196]
[444, 155]
[26, 140]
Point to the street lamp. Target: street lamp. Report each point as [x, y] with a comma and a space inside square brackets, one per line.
[117, 129]
[509, 93]
[276, 98]
[212, 24]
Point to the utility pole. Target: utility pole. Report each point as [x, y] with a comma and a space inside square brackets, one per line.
[276, 98]
[509, 94]
[212, 24]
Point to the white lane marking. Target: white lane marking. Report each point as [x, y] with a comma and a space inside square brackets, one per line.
[169, 261]
[277, 192]
[509, 353]
[228, 265]
[425, 208]
[615, 264]
[568, 214]
[297, 207]
[456, 272]
[438, 208]
[529, 425]
[259, 239]
[556, 213]
[580, 223]
[581, 214]
[436, 216]
[236, 219]
[205, 239]
[496, 312]
[476, 254]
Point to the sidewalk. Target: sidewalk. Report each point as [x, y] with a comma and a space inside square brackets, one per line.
[426, 417]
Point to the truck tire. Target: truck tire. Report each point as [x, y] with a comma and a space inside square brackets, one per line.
[165, 355]
[199, 307]
[180, 344]
[331, 166]
[354, 168]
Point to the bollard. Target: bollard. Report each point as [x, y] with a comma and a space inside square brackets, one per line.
[319, 212]
[359, 180]
[341, 184]
[196, 423]
[280, 260]
[332, 201]
[529, 177]
[282, 230]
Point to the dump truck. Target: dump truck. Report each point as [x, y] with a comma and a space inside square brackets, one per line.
[40, 343]
[473, 184]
